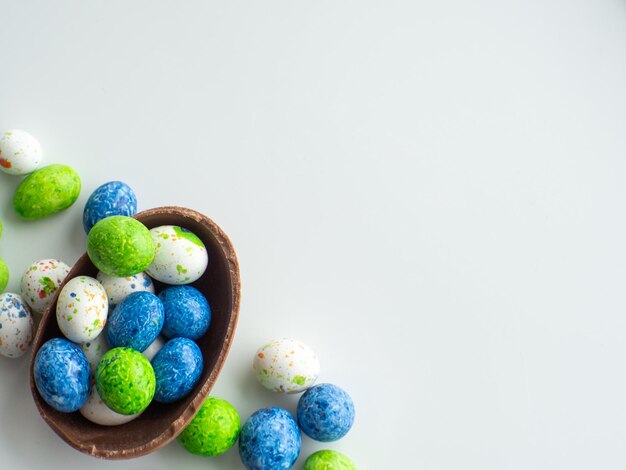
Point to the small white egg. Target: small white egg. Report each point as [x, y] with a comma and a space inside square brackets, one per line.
[40, 281]
[82, 309]
[20, 153]
[118, 288]
[95, 349]
[286, 366]
[154, 347]
[97, 412]
[180, 258]
[16, 325]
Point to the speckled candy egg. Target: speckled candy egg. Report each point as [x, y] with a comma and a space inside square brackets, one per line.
[213, 430]
[95, 349]
[328, 460]
[125, 381]
[61, 373]
[120, 246]
[96, 411]
[270, 438]
[118, 288]
[325, 412]
[82, 308]
[20, 153]
[16, 325]
[181, 257]
[112, 198]
[187, 312]
[41, 280]
[4, 275]
[286, 365]
[136, 321]
[177, 367]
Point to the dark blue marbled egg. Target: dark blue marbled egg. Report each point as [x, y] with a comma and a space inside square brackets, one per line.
[112, 198]
[177, 368]
[61, 374]
[187, 312]
[325, 412]
[270, 438]
[136, 321]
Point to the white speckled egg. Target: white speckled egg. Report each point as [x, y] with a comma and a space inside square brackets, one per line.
[20, 153]
[82, 309]
[40, 281]
[286, 366]
[16, 325]
[94, 349]
[180, 257]
[154, 347]
[97, 412]
[118, 288]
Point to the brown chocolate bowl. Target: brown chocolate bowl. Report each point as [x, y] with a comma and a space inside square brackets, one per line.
[160, 423]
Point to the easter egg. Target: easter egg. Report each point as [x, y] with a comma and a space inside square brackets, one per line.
[136, 321]
[154, 348]
[125, 381]
[181, 257]
[112, 198]
[95, 349]
[286, 365]
[40, 281]
[46, 191]
[187, 312]
[118, 288]
[270, 438]
[61, 373]
[16, 325]
[177, 368]
[328, 460]
[213, 430]
[82, 308]
[4, 275]
[325, 412]
[20, 153]
[96, 411]
[120, 246]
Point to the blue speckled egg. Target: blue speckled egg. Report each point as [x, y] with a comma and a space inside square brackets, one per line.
[187, 312]
[136, 321]
[325, 412]
[16, 325]
[177, 368]
[112, 198]
[270, 438]
[61, 374]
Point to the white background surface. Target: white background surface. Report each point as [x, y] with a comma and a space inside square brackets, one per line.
[430, 194]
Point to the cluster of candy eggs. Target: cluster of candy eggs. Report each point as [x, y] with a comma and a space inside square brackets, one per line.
[271, 437]
[125, 346]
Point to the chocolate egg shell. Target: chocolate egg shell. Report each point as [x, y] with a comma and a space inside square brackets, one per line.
[160, 423]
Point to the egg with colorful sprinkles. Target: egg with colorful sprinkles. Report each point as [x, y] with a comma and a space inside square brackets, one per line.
[286, 366]
[82, 309]
[20, 153]
[61, 374]
[118, 288]
[96, 411]
[112, 198]
[16, 325]
[40, 281]
[181, 257]
[125, 381]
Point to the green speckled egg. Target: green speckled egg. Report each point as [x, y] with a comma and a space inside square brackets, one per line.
[125, 381]
[46, 191]
[213, 430]
[4, 275]
[120, 246]
[0, 228]
[328, 460]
